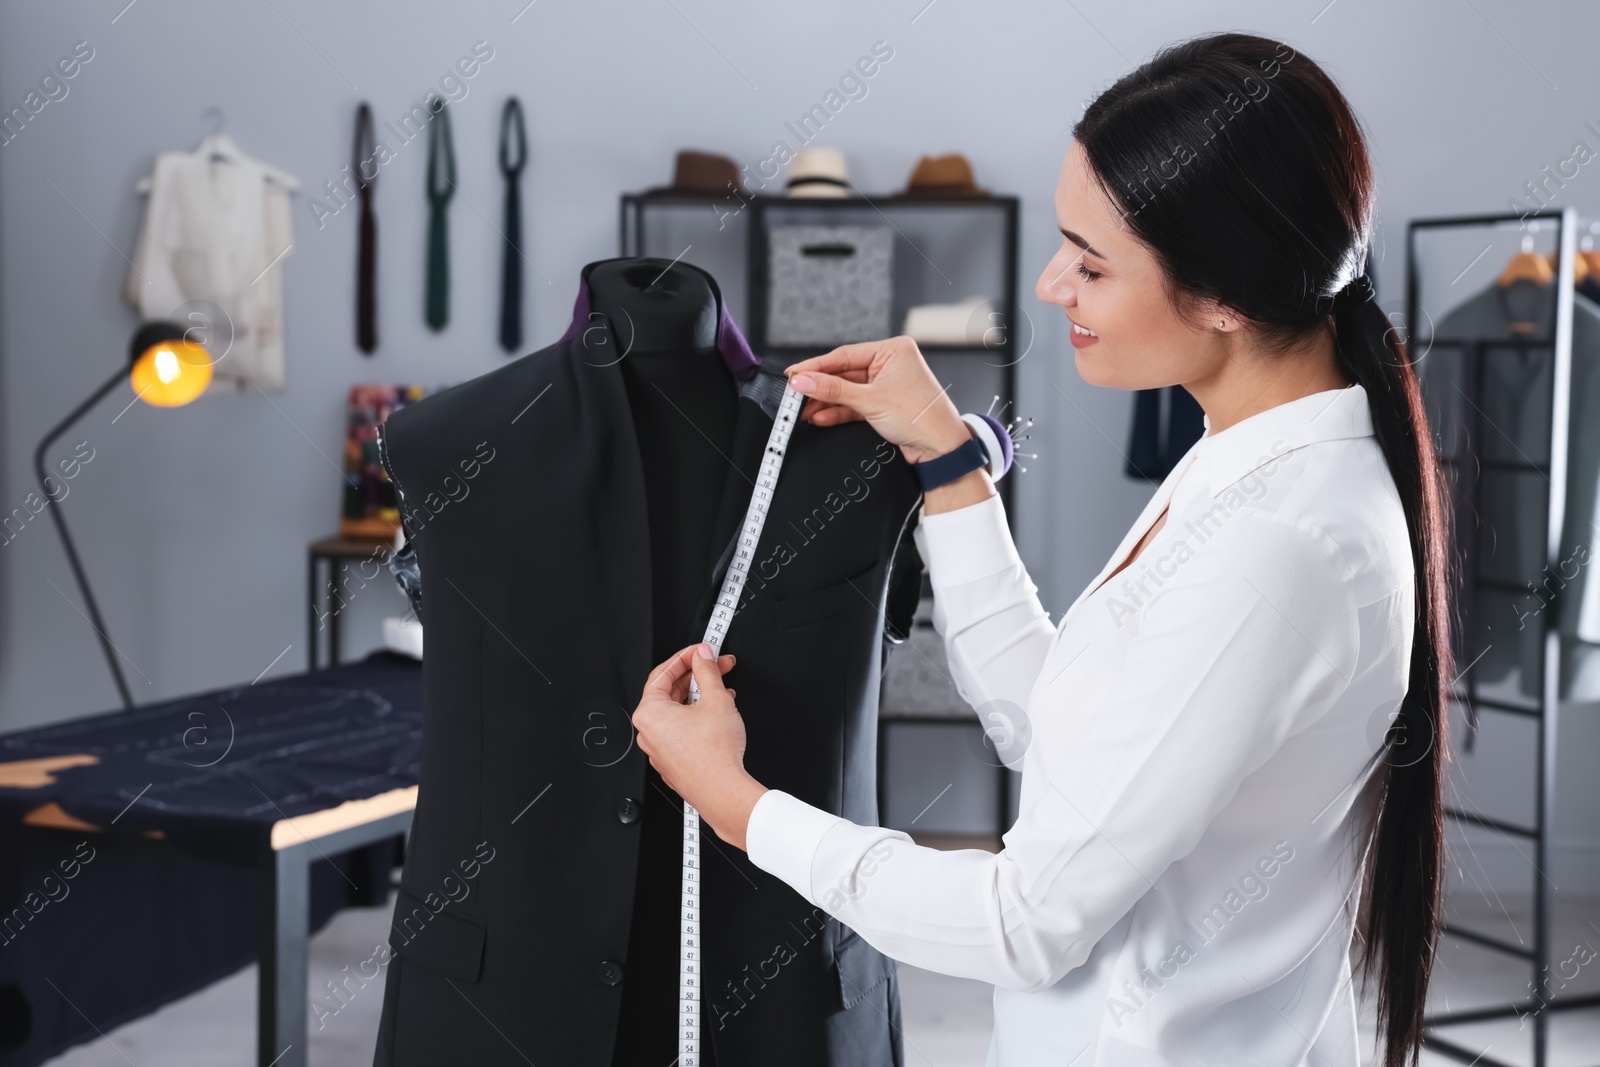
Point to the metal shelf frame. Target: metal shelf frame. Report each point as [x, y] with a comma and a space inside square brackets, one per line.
[1539, 1008]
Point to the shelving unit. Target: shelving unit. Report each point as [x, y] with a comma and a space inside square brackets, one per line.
[1468, 469]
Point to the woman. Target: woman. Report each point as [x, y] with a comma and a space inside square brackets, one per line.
[1233, 754]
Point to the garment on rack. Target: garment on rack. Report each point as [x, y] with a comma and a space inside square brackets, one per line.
[441, 152]
[216, 228]
[511, 271]
[548, 593]
[1166, 422]
[1487, 380]
[367, 250]
[1590, 287]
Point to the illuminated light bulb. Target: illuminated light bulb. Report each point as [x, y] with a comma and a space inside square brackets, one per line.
[171, 373]
[166, 366]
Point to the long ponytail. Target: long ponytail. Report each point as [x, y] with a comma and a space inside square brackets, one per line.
[1242, 167]
[1402, 897]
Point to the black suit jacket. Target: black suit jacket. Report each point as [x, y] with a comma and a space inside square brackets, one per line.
[529, 524]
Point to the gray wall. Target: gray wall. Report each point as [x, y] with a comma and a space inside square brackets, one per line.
[194, 521]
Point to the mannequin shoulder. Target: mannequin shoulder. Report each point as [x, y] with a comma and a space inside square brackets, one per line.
[474, 417]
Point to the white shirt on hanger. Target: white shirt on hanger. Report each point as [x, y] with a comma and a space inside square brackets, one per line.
[218, 230]
[1181, 881]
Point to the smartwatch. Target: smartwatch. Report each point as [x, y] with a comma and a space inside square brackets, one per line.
[988, 447]
[954, 464]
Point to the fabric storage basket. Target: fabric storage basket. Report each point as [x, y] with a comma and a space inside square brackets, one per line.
[829, 285]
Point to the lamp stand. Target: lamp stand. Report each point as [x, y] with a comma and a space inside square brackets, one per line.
[95, 620]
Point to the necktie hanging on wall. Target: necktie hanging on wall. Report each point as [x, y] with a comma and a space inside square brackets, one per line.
[367, 250]
[511, 273]
[439, 149]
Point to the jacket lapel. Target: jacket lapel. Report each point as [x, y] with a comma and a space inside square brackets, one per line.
[617, 496]
[625, 538]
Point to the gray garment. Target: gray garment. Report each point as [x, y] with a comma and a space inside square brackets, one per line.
[1508, 415]
[408, 575]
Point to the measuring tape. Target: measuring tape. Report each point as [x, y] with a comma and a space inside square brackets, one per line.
[689, 970]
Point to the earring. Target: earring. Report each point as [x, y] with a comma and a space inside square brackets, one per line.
[1222, 324]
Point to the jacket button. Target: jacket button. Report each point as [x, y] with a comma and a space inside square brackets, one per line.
[608, 972]
[628, 810]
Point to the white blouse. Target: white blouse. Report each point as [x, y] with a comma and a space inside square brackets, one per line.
[218, 230]
[1181, 882]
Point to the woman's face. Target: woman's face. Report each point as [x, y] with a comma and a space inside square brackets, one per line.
[1109, 283]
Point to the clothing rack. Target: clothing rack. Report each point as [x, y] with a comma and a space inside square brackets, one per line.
[1540, 1006]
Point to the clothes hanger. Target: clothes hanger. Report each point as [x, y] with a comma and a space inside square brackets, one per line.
[1580, 262]
[1526, 265]
[1586, 253]
[218, 146]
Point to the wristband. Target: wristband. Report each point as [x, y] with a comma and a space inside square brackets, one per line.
[995, 440]
[954, 464]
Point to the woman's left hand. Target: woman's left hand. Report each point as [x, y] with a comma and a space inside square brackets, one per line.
[699, 748]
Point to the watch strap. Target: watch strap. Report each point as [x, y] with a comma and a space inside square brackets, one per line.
[959, 461]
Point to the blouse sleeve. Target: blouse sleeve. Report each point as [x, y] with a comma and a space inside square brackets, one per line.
[1246, 643]
[996, 633]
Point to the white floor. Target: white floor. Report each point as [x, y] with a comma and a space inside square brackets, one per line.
[947, 1020]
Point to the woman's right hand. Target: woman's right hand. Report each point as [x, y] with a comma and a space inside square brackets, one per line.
[889, 385]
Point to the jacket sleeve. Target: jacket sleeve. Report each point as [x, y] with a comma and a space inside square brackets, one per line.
[904, 586]
[995, 631]
[1249, 641]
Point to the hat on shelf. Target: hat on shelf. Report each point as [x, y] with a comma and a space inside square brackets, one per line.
[939, 177]
[966, 322]
[818, 172]
[701, 174]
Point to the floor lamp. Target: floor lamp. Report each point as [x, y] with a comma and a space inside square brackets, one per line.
[166, 370]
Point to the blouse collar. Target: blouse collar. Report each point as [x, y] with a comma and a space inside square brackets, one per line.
[1223, 458]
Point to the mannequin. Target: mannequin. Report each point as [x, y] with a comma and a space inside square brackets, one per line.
[656, 307]
[683, 399]
[551, 592]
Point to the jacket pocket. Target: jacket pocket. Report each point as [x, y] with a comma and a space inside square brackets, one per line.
[861, 968]
[439, 940]
[815, 605]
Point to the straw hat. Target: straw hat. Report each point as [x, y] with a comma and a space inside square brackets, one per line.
[818, 172]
